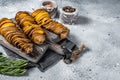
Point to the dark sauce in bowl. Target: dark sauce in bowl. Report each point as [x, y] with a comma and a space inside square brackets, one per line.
[69, 9]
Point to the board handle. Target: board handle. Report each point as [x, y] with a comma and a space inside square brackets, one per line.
[77, 52]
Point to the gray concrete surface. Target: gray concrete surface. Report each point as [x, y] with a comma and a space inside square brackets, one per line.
[98, 26]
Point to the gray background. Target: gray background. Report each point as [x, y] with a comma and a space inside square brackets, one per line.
[98, 26]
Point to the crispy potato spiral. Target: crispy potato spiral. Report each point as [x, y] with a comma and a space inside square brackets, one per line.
[43, 18]
[32, 30]
[14, 36]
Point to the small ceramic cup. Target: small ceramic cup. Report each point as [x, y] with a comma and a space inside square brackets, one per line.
[50, 6]
[68, 17]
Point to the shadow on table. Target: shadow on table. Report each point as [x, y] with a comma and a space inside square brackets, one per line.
[83, 20]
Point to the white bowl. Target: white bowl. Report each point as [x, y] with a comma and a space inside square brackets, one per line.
[52, 11]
